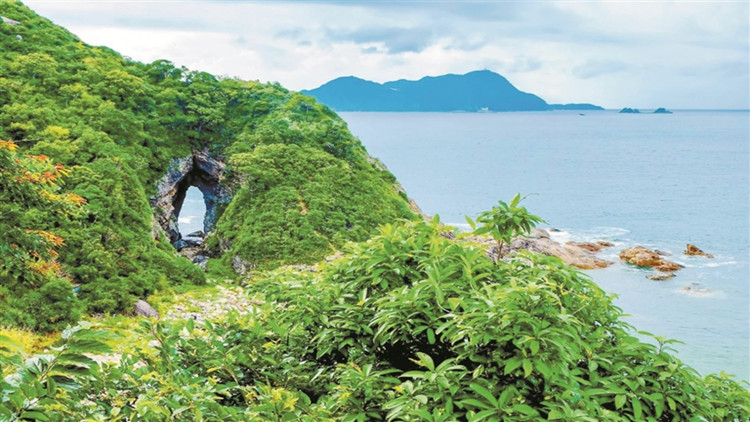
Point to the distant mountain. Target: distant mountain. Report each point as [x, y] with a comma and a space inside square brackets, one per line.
[480, 90]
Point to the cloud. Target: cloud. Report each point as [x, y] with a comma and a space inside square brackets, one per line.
[394, 40]
[594, 68]
[609, 53]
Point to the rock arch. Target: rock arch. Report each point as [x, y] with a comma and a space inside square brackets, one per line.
[202, 170]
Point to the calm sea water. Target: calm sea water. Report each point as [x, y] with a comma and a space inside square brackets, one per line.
[660, 181]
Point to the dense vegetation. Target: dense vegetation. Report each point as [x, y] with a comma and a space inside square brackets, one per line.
[115, 124]
[410, 326]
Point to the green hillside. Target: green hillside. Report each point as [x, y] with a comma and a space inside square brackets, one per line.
[297, 184]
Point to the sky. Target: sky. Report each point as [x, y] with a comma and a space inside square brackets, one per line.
[644, 54]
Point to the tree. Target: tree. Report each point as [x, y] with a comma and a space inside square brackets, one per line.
[29, 272]
[505, 221]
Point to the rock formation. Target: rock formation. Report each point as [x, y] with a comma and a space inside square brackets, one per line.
[592, 247]
[691, 249]
[538, 241]
[578, 255]
[661, 276]
[142, 308]
[201, 170]
[644, 257]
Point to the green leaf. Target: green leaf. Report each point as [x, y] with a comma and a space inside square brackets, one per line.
[527, 368]
[555, 414]
[482, 391]
[34, 415]
[430, 336]
[512, 365]
[637, 411]
[620, 400]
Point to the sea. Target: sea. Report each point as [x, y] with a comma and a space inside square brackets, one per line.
[657, 180]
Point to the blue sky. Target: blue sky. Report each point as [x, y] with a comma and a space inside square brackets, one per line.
[675, 54]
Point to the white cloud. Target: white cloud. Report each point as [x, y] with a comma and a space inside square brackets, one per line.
[608, 53]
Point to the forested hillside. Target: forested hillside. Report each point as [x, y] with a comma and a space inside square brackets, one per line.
[301, 184]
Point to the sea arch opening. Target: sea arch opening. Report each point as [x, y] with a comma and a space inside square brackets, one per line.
[199, 172]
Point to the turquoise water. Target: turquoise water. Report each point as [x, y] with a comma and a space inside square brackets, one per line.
[660, 181]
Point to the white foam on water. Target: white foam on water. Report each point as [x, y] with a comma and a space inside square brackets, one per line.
[721, 264]
[559, 236]
[464, 227]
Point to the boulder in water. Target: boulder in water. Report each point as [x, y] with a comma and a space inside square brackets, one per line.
[644, 257]
[661, 276]
[693, 250]
[589, 246]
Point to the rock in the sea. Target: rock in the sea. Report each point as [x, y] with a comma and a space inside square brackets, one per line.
[661, 276]
[142, 308]
[198, 234]
[593, 247]
[693, 250]
[180, 244]
[644, 257]
[538, 241]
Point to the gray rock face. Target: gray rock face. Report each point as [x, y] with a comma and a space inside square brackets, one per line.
[240, 266]
[8, 21]
[142, 308]
[200, 260]
[202, 170]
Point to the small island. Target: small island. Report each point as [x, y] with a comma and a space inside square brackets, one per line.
[629, 110]
[662, 110]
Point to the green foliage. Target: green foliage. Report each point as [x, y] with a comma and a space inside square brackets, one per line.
[411, 326]
[505, 221]
[116, 124]
[298, 203]
[32, 290]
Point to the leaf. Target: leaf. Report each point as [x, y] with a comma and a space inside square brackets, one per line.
[33, 415]
[430, 336]
[555, 414]
[484, 393]
[475, 403]
[637, 411]
[51, 387]
[425, 360]
[527, 368]
[534, 347]
[512, 365]
[620, 400]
